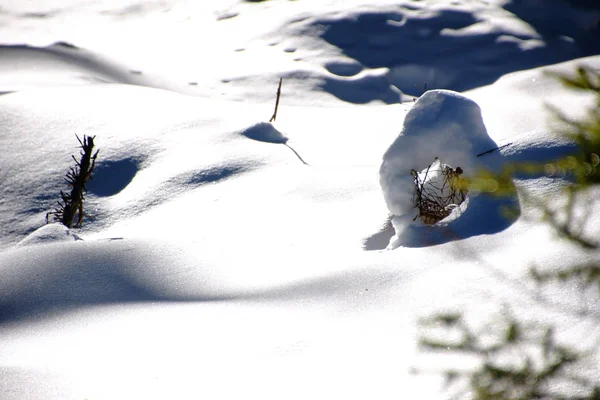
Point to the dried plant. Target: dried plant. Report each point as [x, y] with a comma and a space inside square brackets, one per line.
[71, 204]
[438, 190]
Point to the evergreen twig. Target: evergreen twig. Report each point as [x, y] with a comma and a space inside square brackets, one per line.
[71, 204]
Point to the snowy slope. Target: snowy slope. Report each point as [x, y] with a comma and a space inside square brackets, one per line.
[224, 256]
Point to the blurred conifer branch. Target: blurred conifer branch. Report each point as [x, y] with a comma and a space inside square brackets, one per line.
[516, 361]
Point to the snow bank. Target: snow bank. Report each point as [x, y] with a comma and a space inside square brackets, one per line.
[442, 124]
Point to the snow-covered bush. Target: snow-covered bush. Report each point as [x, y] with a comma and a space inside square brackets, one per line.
[441, 125]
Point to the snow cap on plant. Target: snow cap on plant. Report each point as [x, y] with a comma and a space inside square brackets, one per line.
[442, 124]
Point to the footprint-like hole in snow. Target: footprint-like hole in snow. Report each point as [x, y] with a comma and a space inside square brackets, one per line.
[343, 68]
[112, 176]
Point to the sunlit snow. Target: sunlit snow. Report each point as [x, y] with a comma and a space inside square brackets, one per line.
[223, 256]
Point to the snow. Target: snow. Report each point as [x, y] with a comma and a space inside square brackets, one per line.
[264, 132]
[216, 263]
[52, 232]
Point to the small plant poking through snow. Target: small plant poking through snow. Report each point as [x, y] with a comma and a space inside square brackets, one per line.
[439, 189]
[71, 204]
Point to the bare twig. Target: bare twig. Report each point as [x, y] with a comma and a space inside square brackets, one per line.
[436, 203]
[296, 153]
[274, 117]
[494, 149]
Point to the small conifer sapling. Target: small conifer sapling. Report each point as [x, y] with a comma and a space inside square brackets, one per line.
[71, 204]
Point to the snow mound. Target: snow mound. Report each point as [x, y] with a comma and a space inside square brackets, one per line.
[441, 125]
[49, 233]
[264, 132]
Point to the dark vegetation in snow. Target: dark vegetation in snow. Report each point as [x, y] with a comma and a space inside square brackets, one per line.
[435, 200]
[71, 204]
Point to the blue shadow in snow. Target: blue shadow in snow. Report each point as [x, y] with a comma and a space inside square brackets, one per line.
[484, 214]
[419, 49]
[110, 177]
[539, 154]
[211, 175]
[362, 90]
[85, 274]
[543, 18]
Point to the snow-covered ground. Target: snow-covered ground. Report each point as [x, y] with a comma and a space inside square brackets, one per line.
[223, 256]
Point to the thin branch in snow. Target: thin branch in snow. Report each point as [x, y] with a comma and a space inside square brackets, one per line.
[494, 149]
[274, 117]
